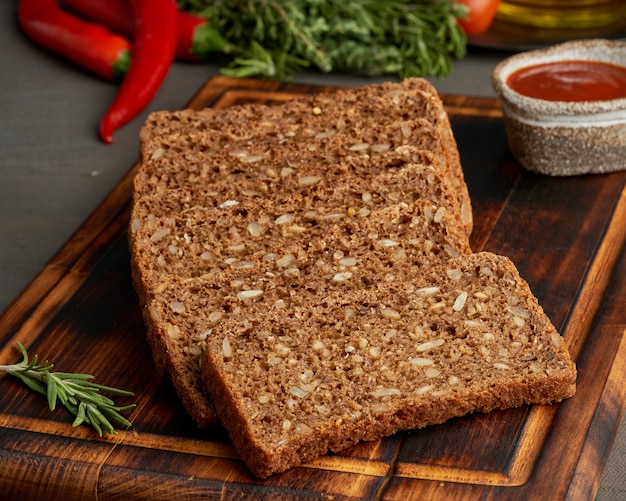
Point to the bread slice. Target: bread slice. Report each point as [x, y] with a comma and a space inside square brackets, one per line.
[392, 243]
[323, 371]
[399, 181]
[344, 111]
[263, 156]
[176, 164]
[413, 96]
[197, 241]
[296, 164]
[354, 114]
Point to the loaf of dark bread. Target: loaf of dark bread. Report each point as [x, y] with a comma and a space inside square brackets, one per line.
[305, 275]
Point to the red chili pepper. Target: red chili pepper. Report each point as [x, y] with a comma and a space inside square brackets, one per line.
[196, 39]
[153, 51]
[90, 45]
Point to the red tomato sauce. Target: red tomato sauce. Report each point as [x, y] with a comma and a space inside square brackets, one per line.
[570, 81]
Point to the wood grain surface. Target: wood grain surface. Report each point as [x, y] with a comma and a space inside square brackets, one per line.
[566, 235]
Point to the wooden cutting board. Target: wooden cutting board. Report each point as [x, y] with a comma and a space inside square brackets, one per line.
[566, 237]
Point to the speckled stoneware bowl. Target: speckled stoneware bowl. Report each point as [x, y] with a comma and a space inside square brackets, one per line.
[561, 138]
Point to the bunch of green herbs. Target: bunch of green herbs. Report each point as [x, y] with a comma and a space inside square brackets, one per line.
[277, 38]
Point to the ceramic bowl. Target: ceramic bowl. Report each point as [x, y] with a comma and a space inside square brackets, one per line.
[560, 138]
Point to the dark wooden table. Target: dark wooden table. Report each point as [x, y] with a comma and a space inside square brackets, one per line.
[566, 236]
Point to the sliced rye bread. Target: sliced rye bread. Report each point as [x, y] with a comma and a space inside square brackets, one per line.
[413, 96]
[297, 164]
[349, 113]
[273, 229]
[272, 158]
[391, 243]
[344, 111]
[324, 371]
[398, 182]
[194, 242]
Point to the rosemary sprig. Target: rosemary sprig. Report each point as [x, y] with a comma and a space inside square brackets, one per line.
[277, 38]
[74, 391]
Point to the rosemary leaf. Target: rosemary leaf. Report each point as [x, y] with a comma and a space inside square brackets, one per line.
[93, 419]
[108, 389]
[33, 384]
[80, 415]
[52, 393]
[70, 375]
[75, 392]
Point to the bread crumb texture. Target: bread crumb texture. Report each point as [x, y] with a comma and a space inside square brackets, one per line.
[306, 277]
